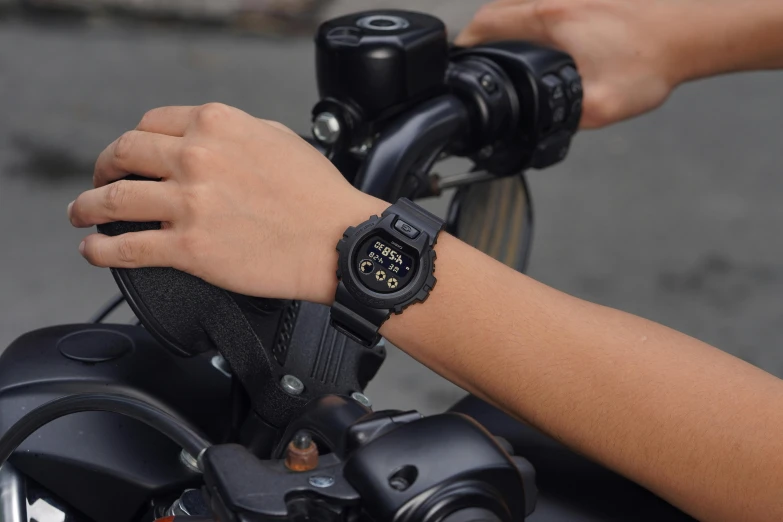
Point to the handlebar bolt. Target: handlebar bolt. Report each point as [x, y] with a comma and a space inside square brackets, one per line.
[302, 453]
[321, 481]
[488, 83]
[302, 440]
[327, 128]
[362, 399]
[292, 385]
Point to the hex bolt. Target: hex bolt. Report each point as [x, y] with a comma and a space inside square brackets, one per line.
[321, 481]
[362, 399]
[327, 128]
[292, 385]
[487, 152]
[302, 440]
[488, 83]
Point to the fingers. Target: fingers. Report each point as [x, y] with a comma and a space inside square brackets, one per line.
[172, 121]
[132, 250]
[512, 20]
[137, 152]
[125, 200]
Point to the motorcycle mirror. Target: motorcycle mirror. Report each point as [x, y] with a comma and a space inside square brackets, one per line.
[496, 217]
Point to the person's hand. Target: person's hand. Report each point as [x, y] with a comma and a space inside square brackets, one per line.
[625, 49]
[246, 204]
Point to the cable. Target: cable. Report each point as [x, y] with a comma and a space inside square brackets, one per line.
[107, 308]
[177, 430]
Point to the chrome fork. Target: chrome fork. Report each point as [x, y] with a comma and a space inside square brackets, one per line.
[13, 501]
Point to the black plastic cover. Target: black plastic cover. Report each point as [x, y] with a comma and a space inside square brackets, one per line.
[447, 451]
[376, 69]
[105, 465]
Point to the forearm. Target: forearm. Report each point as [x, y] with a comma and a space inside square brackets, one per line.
[723, 36]
[692, 423]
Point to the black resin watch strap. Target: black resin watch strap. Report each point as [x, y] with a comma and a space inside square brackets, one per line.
[356, 320]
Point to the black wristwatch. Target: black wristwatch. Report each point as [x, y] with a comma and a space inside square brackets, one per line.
[386, 264]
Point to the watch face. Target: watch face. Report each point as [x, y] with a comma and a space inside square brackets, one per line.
[384, 264]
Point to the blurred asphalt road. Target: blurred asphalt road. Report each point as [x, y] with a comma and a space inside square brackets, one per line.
[676, 216]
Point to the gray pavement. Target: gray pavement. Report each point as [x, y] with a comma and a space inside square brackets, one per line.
[675, 216]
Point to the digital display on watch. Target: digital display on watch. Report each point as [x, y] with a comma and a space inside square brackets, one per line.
[383, 266]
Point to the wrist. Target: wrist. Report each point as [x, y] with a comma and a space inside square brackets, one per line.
[716, 37]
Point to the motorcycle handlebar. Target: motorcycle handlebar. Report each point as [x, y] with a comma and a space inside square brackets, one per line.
[410, 146]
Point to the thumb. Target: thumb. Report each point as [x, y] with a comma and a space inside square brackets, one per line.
[503, 21]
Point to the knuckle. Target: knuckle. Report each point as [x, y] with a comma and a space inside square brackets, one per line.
[124, 146]
[193, 198]
[485, 19]
[126, 250]
[143, 123]
[193, 157]
[190, 245]
[188, 242]
[116, 195]
[212, 116]
[602, 108]
[553, 9]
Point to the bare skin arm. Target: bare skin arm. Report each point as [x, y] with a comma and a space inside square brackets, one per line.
[695, 425]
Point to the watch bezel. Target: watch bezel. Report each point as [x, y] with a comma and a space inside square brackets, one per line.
[415, 291]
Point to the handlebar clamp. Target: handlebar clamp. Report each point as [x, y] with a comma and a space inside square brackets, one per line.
[395, 469]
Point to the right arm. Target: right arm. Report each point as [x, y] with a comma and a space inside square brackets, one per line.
[633, 53]
[252, 208]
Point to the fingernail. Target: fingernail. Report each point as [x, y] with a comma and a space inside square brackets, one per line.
[81, 248]
[70, 206]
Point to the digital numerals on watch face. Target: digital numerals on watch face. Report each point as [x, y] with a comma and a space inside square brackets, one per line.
[383, 264]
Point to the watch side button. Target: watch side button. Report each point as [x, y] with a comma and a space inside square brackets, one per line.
[406, 229]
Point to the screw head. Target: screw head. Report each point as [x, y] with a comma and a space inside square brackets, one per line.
[221, 365]
[327, 128]
[189, 461]
[362, 399]
[321, 481]
[487, 152]
[292, 385]
[302, 440]
[488, 83]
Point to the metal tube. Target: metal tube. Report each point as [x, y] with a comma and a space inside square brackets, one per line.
[13, 501]
[467, 178]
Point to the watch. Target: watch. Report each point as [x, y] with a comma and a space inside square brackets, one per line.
[385, 265]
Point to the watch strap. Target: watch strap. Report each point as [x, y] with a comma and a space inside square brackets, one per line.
[356, 320]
